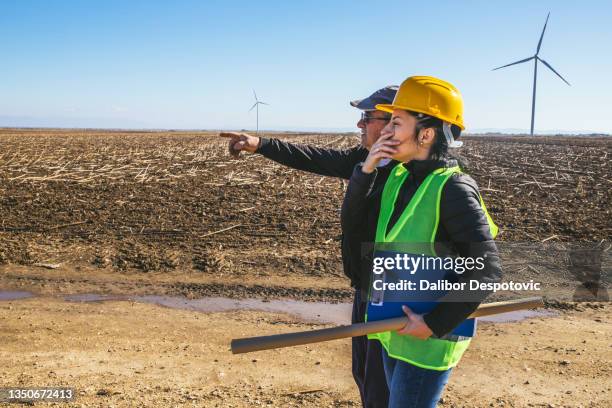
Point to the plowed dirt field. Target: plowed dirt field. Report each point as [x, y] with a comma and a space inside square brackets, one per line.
[168, 213]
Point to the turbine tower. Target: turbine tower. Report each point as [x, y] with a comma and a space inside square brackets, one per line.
[535, 59]
[256, 106]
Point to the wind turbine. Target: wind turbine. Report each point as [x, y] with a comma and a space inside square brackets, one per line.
[256, 106]
[535, 58]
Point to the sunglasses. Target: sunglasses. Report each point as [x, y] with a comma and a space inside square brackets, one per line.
[366, 117]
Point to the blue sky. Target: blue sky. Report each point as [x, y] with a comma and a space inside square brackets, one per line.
[193, 64]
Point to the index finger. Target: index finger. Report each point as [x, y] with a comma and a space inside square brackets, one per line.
[229, 134]
[386, 136]
[407, 329]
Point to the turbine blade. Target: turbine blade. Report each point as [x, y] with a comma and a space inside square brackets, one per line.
[542, 35]
[263, 103]
[514, 63]
[254, 105]
[255, 95]
[553, 70]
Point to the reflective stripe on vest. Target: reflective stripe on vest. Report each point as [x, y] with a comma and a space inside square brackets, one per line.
[418, 224]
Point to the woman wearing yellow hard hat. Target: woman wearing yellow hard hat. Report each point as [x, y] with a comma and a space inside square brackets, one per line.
[422, 204]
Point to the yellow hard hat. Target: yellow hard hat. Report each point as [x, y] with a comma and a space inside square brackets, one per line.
[431, 96]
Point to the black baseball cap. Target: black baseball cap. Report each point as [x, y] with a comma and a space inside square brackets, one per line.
[382, 96]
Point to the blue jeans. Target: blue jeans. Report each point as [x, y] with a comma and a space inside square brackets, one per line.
[411, 386]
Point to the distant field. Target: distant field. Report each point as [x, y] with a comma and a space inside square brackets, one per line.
[174, 200]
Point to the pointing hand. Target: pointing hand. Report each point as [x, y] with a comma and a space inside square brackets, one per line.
[239, 142]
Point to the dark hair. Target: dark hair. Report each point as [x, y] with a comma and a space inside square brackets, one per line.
[439, 149]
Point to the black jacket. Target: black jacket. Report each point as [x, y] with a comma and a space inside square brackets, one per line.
[326, 162]
[463, 230]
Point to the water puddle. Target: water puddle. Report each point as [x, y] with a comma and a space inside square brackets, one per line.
[318, 312]
[14, 295]
[516, 316]
[321, 312]
[94, 297]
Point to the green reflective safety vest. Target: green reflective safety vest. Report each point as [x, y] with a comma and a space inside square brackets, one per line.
[418, 225]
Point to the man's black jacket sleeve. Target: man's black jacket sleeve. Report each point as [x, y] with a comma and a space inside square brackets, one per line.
[326, 162]
[464, 225]
[355, 204]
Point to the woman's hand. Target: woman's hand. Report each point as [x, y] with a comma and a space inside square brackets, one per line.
[384, 148]
[416, 325]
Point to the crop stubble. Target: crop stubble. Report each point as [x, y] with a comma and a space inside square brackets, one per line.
[153, 201]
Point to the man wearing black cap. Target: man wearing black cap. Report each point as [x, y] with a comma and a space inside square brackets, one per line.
[373, 121]
[368, 368]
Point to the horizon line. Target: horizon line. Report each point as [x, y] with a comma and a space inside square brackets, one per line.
[509, 132]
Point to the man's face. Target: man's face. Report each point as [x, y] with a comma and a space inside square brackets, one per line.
[371, 124]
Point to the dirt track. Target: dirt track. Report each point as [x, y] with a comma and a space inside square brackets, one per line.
[128, 354]
[168, 213]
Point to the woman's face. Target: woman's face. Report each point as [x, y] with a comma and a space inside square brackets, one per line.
[402, 127]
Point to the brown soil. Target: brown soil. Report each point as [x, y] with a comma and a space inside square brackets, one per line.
[127, 354]
[169, 213]
[158, 201]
